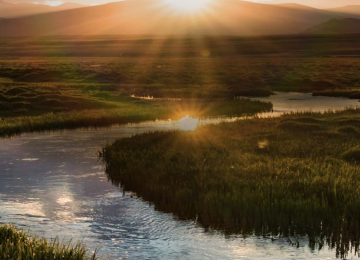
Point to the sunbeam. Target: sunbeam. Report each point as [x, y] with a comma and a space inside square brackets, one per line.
[188, 6]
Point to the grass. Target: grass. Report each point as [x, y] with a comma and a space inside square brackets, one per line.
[290, 176]
[16, 244]
[181, 77]
[175, 67]
[129, 112]
[350, 93]
[28, 107]
[36, 99]
[44, 81]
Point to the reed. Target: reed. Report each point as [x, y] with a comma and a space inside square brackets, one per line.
[129, 112]
[17, 244]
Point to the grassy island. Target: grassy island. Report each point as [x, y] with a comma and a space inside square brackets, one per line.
[290, 176]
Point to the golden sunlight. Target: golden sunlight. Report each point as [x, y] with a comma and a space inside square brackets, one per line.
[188, 123]
[188, 6]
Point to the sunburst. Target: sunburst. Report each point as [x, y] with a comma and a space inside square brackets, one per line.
[188, 6]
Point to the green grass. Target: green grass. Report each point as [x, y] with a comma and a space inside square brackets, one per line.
[28, 107]
[290, 176]
[350, 93]
[129, 112]
[19, 245]
[175, 67]
[79, 78]
[193, 77]
[32, 99]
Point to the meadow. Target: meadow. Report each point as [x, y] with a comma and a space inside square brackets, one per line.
[292, 176]
[67, 82]
[17, 244]
[40, 107]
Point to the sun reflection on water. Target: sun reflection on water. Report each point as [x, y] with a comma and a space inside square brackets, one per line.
[188, 123]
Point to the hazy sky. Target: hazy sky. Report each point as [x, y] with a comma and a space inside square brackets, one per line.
[313, 3]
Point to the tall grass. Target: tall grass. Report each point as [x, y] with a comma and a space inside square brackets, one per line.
[129, 112]
[352, 93]
[290, 176]
[15, 244]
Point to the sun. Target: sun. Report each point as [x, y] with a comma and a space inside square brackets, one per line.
[188, 6]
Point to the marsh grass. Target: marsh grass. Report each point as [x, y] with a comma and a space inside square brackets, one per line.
[352, 93]
[17, 244]
[179, 70]
[28, 107]
[129, 112]
[37, 99]
[352, 155]
[296, 175]
[32, 85]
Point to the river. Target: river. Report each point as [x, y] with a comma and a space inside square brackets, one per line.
[54, 184]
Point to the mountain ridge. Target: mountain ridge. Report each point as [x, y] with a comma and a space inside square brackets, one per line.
[348, 9]
[10, 10]
[139, 17]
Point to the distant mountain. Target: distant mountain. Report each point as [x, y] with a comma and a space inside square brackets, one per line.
[67, 6]
[9, 10]
[297, 6]
[336, 26]
[349, 9]
[221, 17]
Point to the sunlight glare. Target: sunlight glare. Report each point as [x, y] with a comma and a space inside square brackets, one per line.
[188, 123]
[188, 6]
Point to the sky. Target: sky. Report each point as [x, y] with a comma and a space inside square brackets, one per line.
[312, 3]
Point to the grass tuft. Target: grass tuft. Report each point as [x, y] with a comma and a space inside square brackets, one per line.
[15, 244]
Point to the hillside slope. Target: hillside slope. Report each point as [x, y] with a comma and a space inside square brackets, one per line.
[221, 17]
[349, 9]
[336, 26]
[9, 10]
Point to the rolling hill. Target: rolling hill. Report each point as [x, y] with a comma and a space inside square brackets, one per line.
[336, 26]
[9, 10]
[297, 6]
[349, 9]
[222, 17]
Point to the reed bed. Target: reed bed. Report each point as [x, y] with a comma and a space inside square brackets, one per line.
[352, 93]
[129, 112]
[297, 175]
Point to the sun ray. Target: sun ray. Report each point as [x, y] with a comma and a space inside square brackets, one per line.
[188, 6]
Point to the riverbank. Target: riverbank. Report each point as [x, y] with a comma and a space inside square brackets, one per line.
[130, 112]
[288, 176]
[16, 244]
